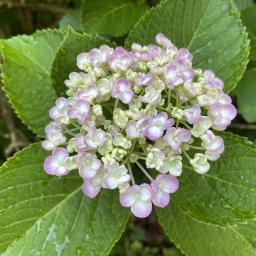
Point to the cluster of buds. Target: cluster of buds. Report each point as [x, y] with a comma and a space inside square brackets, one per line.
[137, 116]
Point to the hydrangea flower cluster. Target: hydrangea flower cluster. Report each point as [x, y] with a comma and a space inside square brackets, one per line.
[133, 116]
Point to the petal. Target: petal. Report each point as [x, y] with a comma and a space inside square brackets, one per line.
[145, 192]
[141, 209]
[161, 199]
[90, 190]
[169, 183]
[128, 198]
[87, 172]
[111, 182]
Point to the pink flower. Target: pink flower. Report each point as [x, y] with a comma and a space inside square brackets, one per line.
[221, 115]
[60, 111]
[174, 137]
[80, 111]
[122, 90]
[89, 164]
[120, 60]
[212, 81]
[91, 187]
[157, 125]
[161, 187]
[138, 197]
[214, 145]
[116, 175]
[193, 114]
[55, 164]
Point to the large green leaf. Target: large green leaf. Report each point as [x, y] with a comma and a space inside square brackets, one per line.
[26, 75]
[211, 29]
[249, 19]
[45, 215]
[114, 17]
[246, 97]
[65, 59]
[243, 4]
[214, 214]
[71, 18]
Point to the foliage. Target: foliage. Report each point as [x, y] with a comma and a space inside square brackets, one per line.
[212, 214]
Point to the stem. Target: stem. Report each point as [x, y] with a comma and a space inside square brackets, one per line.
[194, 147]
[188, 167]
[130, 172]
[186, 125]
[169, 97]
[186, 154]
[144, 171]
[116, 104]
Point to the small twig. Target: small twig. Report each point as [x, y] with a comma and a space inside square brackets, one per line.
[33, 6]
[243, 126]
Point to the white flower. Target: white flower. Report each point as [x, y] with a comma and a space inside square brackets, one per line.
[199, 163]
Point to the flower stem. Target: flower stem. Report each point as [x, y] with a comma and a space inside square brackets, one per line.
[144, 171]
[130, 172]
[186, 154]
[197, 148]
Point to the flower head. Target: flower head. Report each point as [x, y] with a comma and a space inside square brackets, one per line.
[136, 113]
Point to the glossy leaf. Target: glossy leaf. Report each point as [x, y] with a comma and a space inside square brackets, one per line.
[249, 19]
[26, 75]
[214, 214]
[45, 215]
[113, 17]
[71, 18]
[246, 97]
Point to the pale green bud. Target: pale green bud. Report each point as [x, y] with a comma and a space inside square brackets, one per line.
[107, 159]
[134, 158]
[71, 146]
[104, 86]
[137, 89]
[177, 113]
[131, 75]
[107, 147]
[71, 163]
[120, 118]
[120, 140]
[97, 110]
[118, 153]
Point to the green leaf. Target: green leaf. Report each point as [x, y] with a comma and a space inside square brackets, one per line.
[45, 215]
[246, 97]
[114, 17]
[71, 18]
[26, 76]
[243, 4]
[214, 214]
[249, 19]
[65, 60]
[211, 29]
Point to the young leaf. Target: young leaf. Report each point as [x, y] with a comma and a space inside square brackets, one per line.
[45, 215]
[210, 29]
[219, 206]
[71, 18]
[113, 17]
[26, 75]
[65, 59]
[246, 97]
[249, 19]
